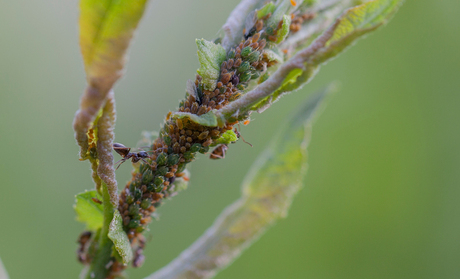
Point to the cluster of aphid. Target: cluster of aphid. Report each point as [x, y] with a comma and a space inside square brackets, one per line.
[181, 138]
[299, 19]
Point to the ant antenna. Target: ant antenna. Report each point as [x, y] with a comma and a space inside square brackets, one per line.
[239, 135]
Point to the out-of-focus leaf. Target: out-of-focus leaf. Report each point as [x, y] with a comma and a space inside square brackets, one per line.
[106, 28]
[88, 211]
[208, 119]
[211, 56]
[3, 273]
[354, 23]
[265, 10]
[277, 175]
[284, 30]
[268, 191]
[120, 238]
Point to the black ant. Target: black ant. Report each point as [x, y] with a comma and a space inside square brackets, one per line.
[124, 152]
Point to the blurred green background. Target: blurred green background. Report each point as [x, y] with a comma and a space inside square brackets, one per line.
[382, 193]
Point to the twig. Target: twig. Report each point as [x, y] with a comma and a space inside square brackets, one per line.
[105, 170]
[261, 204]
[268, 87]
[91, 102]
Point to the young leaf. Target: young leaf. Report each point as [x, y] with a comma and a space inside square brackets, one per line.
[88, 211]
[106, 28]
[354, 23]
[284, 30]
[265, 10]
[211, 57]
[208, 119]
[226, 138]
[120, 238]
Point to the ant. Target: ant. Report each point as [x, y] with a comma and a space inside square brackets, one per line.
[124, 152]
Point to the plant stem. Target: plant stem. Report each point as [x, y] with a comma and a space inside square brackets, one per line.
[267, 193]
[98, 267]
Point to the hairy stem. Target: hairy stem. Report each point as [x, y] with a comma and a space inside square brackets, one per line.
[105, 170]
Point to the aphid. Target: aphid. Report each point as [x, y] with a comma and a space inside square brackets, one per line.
[219, 152]
[83, 240]
[124, 152]
[96, 200]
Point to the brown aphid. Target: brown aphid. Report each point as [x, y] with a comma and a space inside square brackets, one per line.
[203, 135]
[83, 240]
[259, 25]
[179, 124]
[215, 133]
[226, 78]
[219, 152]
[207, 142]
[96, 200]
[229, 65]
[237, 64]
[262, 44]
[194, 107]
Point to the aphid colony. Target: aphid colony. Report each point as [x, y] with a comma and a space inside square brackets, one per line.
[299, 19]
[180, 138]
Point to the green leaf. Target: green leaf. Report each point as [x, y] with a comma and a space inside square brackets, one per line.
[284, 30]
[277, 175]
[106, 28]
[282, 9]
[273, 54]
[120, 238]
[88, 211]
[208, 119]
[211, 57]
[265, 10]
[226, 138]
[354, 23]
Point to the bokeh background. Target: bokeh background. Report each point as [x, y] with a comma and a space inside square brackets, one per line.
[381, 199]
